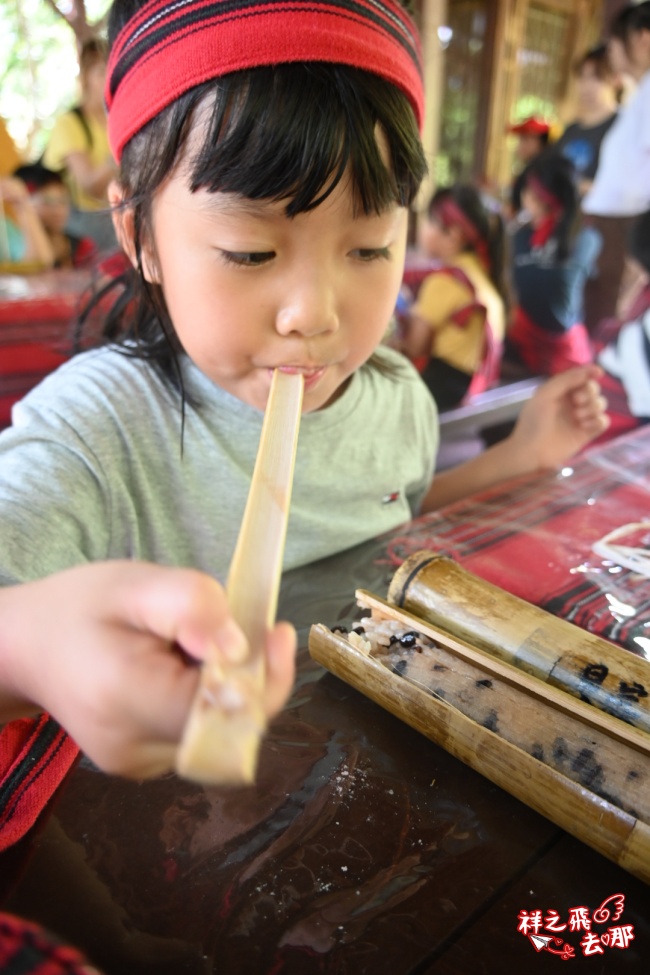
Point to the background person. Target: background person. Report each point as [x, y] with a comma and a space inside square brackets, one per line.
[550, 264]
[626, 356]
[597, 105]
[533, 136]
[51, 200]
[456, 327]
[621, 188]
[22, 235]
[78, 148]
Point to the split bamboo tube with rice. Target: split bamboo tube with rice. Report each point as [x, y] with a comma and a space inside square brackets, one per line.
[585, 768]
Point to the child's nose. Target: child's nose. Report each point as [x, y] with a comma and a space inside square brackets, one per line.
[309, 308]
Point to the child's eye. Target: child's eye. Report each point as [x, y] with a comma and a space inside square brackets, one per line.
[371, 253]
[246, 259]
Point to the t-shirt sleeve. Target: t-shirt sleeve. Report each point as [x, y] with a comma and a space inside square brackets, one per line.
[53, 505]
[67, 136]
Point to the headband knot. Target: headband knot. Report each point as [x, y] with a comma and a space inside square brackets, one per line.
[167, 48]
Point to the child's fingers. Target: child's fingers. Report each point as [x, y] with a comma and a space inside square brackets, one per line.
[571, 381]
[280, 666]
[158, 697]
[186, 607]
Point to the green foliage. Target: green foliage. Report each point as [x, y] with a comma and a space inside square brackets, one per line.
[38, 67]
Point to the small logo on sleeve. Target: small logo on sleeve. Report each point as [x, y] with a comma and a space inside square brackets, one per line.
[391, 498]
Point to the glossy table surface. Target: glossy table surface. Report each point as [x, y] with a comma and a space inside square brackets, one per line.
[363, 847]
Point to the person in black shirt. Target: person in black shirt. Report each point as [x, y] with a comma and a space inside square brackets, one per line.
[597, 107]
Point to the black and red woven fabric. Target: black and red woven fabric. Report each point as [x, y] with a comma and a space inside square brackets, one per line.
[35, 756]
[26, 949]
[168, 48]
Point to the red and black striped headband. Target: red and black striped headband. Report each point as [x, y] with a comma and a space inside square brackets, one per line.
[169, 47]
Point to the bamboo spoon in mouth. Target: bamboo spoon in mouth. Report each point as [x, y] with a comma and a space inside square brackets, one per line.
[227, 720]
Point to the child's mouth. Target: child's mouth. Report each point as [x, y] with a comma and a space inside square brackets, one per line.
[311, 376]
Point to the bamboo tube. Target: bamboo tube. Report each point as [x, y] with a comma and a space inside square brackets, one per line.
[621, 836]
[434, 588]
[551, 727]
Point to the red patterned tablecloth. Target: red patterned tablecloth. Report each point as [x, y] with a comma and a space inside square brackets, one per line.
[534, 538]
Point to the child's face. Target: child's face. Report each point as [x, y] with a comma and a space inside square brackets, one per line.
[528, 146]
[52, 204]
[593, 91]
[249, 289]
[93, 81]
[439, 242]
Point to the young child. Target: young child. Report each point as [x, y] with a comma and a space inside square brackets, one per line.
[51, 200]
[550, 265]
[78, 148]
[457, 323]
[268, 157]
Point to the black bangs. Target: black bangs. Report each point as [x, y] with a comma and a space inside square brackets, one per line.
[290, 133]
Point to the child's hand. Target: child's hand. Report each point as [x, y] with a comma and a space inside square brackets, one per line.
[13, 190]
[563, 416]
[98, 647]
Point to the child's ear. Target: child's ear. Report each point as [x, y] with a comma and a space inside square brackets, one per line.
[124, 224]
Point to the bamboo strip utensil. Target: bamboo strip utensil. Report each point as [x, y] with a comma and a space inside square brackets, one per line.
[437, 589]
[227, 720]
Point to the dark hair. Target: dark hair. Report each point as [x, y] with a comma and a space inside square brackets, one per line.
[489, 225]
[556, 175]
[639, 240]
[633, 17]
[36, 176]
[287, 132]
[598, 57]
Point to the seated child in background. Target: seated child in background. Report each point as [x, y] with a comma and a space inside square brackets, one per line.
[51, 199]
[22, 235]
[626, 357]
[550, 265]
[456, 326]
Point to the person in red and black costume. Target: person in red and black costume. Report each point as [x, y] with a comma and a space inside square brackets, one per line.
[550, 265]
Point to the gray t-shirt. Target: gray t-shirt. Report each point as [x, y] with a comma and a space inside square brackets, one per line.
[92, 467]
